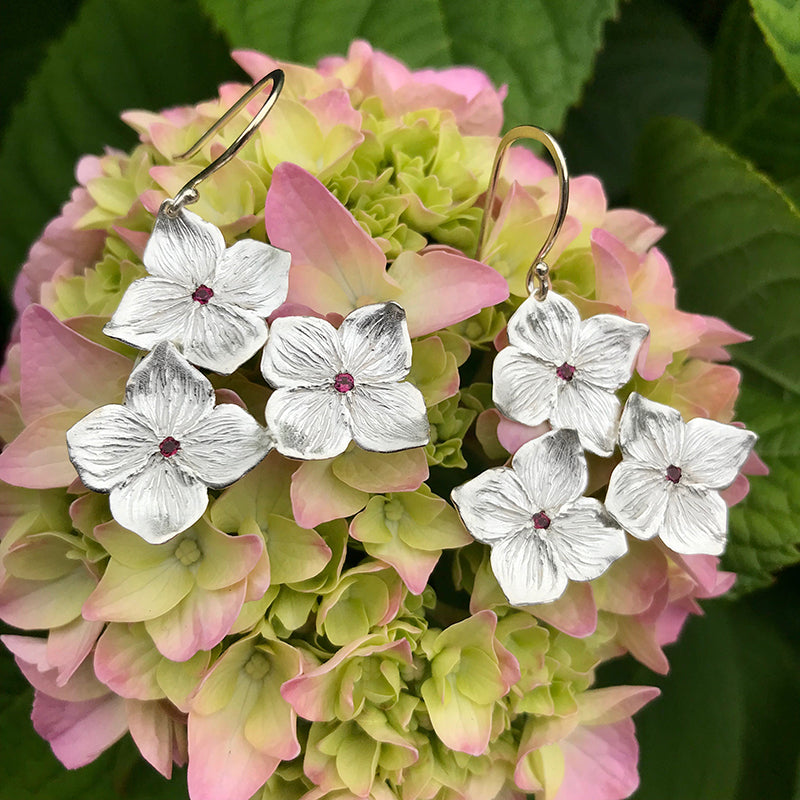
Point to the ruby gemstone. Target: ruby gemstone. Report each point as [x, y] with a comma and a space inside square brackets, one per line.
[673, 473]
[202, 294]
[169, 447]
[565, 371]
[541, 520]
[343, 382]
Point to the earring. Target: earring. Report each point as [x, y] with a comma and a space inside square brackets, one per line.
[557, 367]
[159, 452]
[210, 301]
[668, 482]
[335, 386]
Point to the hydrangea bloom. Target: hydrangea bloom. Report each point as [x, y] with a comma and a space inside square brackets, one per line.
[301, 635]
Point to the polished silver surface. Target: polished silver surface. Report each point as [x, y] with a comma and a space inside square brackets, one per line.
[559, 368]
[158, 452]
[333, 386]
[210, 301]
[671, 472]
[542, 532]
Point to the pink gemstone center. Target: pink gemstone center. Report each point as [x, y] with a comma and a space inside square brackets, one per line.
[565, 371]
[541, 520]
[202, 294]
[343, 382]
[169, 447]
[673, 473]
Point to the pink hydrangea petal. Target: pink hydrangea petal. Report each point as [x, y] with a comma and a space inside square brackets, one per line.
[158, 735]
[126, 661]
[574, 613]
[79, 732]
[440, 288]
[68, 645]
[199, 622]
[319, 496]
[336, 265]
[62, 370]
[600, 763]
[638, 231]
[610, 705]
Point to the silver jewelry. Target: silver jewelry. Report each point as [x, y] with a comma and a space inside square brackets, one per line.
[671, 472]
[333, 386]
[542, 532]
[209, 301]
[159, 452]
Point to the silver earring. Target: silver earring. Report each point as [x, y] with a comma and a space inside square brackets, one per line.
[210, 301]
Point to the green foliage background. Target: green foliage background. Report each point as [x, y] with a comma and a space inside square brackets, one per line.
[687, 109]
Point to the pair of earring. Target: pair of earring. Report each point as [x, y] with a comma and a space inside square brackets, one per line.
[556, 368]
[203, 304]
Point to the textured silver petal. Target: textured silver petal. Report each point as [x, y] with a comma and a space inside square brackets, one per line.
[159, 502]
[637, 498]
[545, 328]
[376, 347]
[713, 453]
[587, 539]
[308, 423]
[528, 569]
[590, 410]
[151, 310]
[696, 521]
[553, 470]
[302, 352]
[493, 506]
[524, 388]
[388, 417]
[170, 395]
[224, 447]
[606, 348]
[184, 249]
[222, 337]
[651, 433]
[252, 275]
[109, 445]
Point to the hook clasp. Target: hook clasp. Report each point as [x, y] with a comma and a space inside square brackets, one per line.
[188, 194]
[537, 281]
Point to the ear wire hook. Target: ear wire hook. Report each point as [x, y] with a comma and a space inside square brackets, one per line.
[189, 194]
[539, 270]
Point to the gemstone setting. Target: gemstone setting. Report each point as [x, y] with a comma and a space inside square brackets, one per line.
[202, 294]
[169, 447]
[343, 382]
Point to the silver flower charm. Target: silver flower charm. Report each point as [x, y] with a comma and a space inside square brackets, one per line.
[159, 451]
[559, 368]
[671, 472]
[209, 301]
[334, 386]
[541, 530]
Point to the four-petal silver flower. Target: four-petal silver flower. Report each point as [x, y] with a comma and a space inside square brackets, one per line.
[541, 530]
[158, 452]
[671, 472]
[334, 386]
[561, 369]
[209, 301]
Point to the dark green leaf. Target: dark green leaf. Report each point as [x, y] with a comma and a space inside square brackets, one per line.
[118, 54]
[543, 49]
[652, 63]
[780, 21]
[752, 106]
[734, 243]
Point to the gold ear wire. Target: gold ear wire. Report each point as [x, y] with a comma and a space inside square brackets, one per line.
[539, 270]
[188, 194]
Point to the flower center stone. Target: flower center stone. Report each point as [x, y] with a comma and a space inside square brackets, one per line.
[169, 447]
[673, 473]
[565, 371]
[541, 520]
[202, 294]
[343, 382]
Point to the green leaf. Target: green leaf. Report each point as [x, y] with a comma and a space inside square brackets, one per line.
[752, 105]
[118, 54]
[543, 49]
[652, 63]
[780, 21]
[734, 243]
